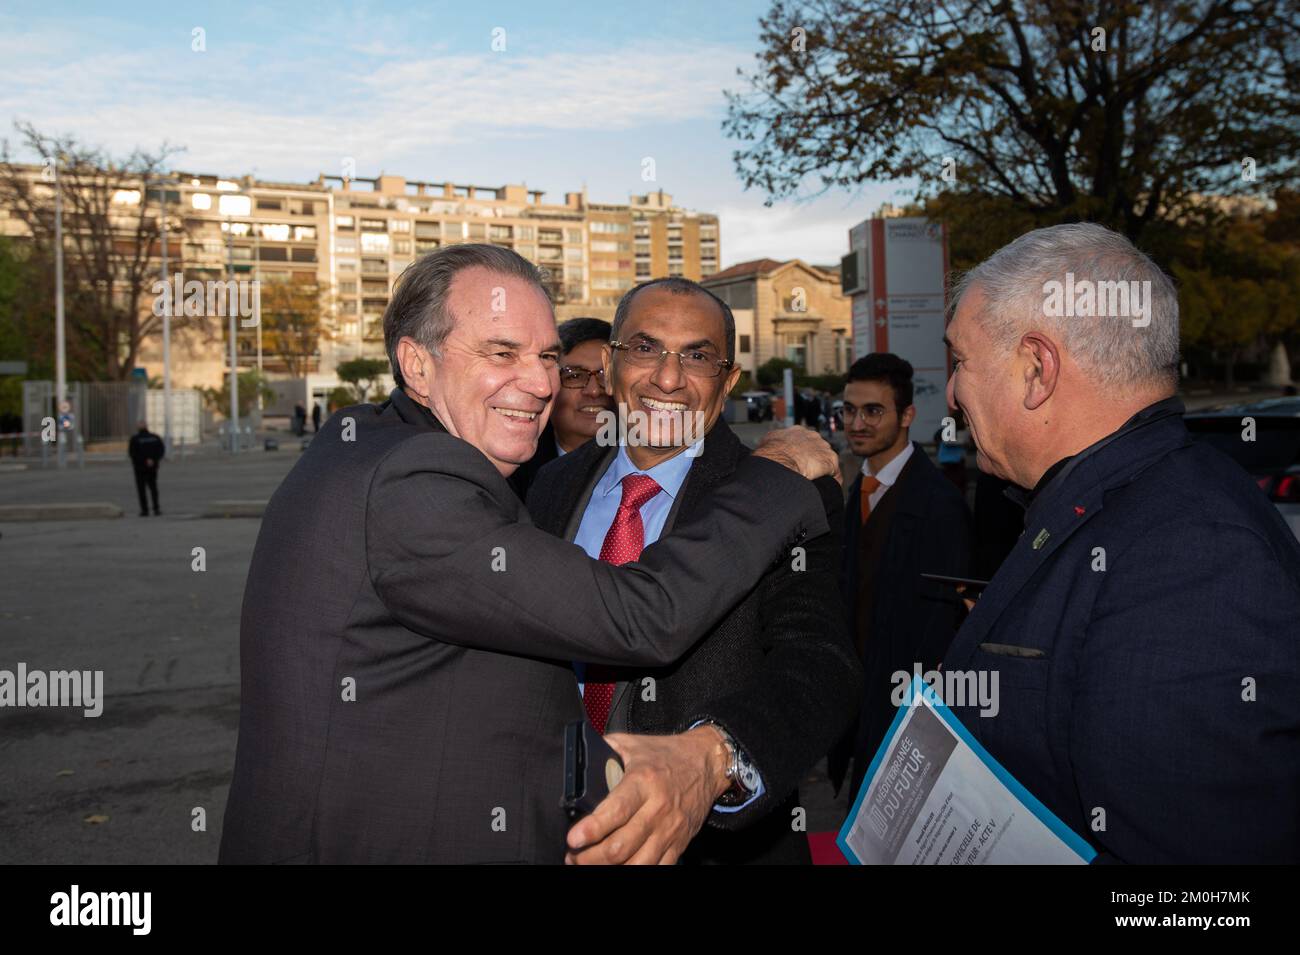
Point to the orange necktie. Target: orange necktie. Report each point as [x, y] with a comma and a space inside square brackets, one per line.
[869, 487]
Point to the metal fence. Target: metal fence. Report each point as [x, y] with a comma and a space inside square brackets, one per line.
[101, 410]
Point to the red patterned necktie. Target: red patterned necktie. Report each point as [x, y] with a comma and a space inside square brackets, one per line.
[623, 542]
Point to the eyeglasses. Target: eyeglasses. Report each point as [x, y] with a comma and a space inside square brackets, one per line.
[697, 364]
[575, 376]
[869, 412]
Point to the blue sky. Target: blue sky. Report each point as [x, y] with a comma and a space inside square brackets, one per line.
[580, 95]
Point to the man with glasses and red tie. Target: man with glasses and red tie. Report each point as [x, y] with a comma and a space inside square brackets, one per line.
[578, 405]
[776, 682]
[903, 518]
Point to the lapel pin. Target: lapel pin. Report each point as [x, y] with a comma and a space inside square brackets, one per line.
[1080, 511]
[1041, 539]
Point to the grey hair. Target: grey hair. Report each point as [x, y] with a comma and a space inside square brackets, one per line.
[1111, 350]
[418, 308]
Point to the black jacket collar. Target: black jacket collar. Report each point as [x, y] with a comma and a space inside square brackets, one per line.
[1164, 408]
[411, 411]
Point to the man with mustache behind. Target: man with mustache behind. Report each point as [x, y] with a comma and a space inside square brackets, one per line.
[576, 414]
[775, 679]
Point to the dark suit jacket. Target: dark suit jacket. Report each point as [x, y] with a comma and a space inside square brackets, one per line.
[912, 620]
[777, 672]
[1161, 607]
[402, 622]
[547, 451]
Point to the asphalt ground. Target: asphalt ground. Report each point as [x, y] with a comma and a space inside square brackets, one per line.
[122, 596]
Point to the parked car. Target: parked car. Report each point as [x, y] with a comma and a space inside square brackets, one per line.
[1272, 458]
[759, 404]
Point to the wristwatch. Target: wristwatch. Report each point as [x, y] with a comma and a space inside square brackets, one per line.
[741, 771]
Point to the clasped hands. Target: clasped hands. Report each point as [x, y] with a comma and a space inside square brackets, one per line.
[670, 784]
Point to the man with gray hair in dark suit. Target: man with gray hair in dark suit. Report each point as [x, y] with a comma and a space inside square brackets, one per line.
[404, 662]
[1143, 630]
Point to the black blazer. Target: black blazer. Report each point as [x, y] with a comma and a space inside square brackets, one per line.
[777, 672]
[402, 622]
[547, 451]
[912, 620]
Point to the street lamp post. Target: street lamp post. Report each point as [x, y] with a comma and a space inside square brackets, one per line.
[60, 343]
[257, 306]
[167, 315]
[234, 354]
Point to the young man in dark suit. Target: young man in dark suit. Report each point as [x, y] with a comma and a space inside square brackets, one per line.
[776, 676]
[1144, 627]
[903, 519]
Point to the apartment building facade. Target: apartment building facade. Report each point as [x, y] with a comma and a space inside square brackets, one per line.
[350, 238]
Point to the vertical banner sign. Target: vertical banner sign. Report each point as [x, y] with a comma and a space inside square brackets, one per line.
[896, 273]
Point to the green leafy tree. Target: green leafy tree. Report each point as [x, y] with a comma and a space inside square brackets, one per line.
[111, 233]
[1121, 114]
[251, 382]
[364, 375]
[771, 373]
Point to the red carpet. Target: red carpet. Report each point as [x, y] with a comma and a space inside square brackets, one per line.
[824, 850]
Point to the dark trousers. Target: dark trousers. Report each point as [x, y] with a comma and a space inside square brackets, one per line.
[147, 477]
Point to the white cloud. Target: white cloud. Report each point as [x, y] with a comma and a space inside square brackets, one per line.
[238, 107]
[816, 230]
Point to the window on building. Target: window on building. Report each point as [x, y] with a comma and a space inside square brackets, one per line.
[270, 203]
[345, 222]
[374, 242]
[303, 255]
[274, 231]
[201, 200]
[304, 233]
[400, 225]
[796, 349]
[402, 246]
[744, 344]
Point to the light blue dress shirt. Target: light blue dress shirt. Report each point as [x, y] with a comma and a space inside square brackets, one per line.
[601, 509]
